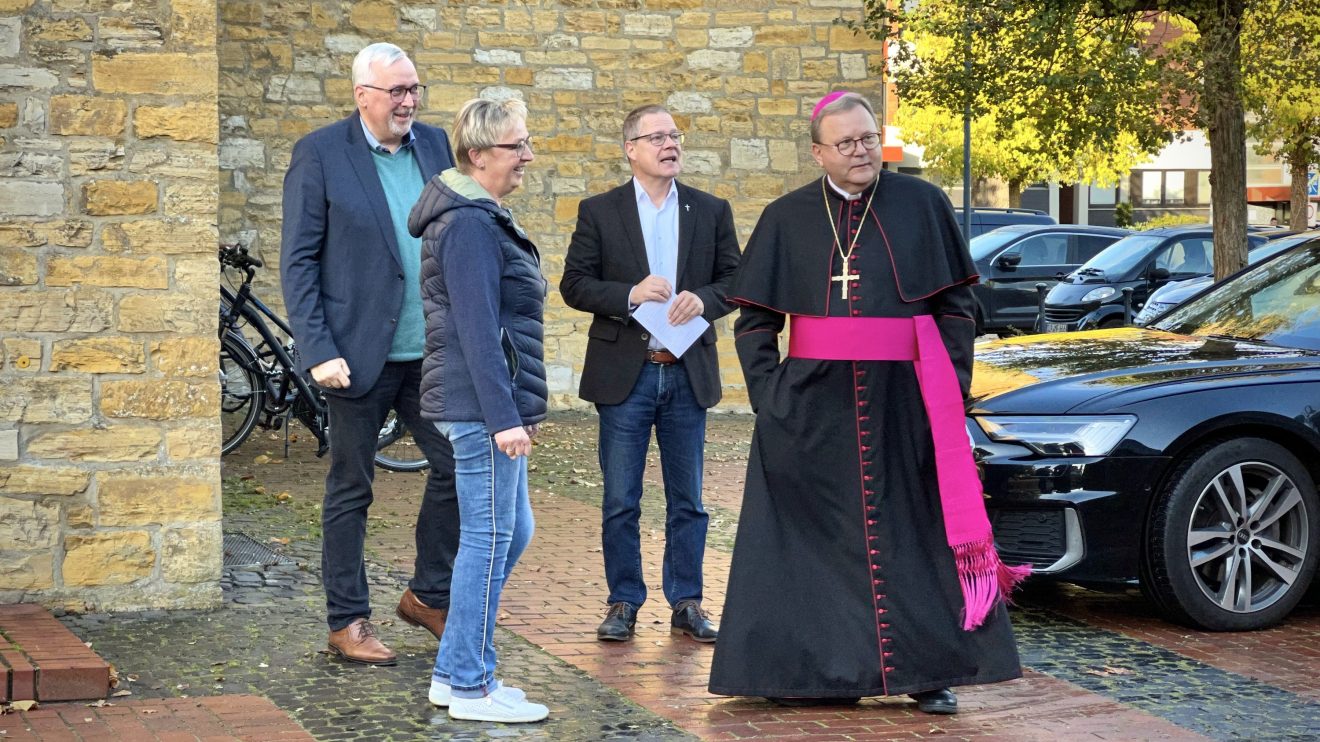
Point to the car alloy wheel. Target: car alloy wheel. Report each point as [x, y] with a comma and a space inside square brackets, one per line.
[1234, 537]
[1248, 537]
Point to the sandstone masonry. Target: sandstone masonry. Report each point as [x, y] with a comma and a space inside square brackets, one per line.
[109, 440]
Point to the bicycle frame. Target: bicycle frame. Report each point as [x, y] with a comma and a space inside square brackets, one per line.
[243, 305]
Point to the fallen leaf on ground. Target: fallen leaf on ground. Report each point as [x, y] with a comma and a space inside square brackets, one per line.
[121, 693]
[99, 703]
[22, 705]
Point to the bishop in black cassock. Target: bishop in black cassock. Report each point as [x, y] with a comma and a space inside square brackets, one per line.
[843, 582]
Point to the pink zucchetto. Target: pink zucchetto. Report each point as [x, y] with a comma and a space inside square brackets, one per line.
[828, 99]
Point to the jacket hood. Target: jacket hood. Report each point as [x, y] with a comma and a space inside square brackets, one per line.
[452, 190]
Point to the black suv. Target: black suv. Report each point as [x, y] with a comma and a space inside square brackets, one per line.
[1012, 260]
[1092, 296]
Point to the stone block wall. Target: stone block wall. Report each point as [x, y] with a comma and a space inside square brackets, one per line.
[109, 438]
[740, 78]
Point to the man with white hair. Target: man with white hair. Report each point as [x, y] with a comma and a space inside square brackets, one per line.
[349, 270]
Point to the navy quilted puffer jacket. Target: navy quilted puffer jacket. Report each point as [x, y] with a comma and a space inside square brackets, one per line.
[483, 295]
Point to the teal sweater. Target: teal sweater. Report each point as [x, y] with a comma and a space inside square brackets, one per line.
[401, 178]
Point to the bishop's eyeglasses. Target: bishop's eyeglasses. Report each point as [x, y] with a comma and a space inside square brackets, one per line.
[657, 139]
[398, 92]
[868, 142]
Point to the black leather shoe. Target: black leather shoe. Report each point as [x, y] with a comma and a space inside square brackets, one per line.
[619, 625]
[940, 701]
[803, 701]
[690, 619]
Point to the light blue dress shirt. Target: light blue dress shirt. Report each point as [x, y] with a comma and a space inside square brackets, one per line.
[660, 233]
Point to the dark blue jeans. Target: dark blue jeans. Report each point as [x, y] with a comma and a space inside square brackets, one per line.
[662, 398]
[354, 426]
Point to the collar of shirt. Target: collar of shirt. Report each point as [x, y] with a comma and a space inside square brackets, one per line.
[374, 144]
[846, 196]
[643, 196]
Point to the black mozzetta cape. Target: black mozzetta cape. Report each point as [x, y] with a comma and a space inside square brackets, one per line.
[843, 584]
[910, 252]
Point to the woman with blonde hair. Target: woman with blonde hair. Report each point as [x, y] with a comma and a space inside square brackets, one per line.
[483, 385]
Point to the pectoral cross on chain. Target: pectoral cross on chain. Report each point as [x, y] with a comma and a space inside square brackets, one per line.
[844, 279]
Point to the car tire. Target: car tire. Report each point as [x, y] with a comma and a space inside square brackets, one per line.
[1110, 323]
[1208, 557]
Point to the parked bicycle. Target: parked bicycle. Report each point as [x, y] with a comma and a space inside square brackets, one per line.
[263, 384]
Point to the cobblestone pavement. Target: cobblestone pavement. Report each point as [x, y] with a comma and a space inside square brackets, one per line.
[1098, 666]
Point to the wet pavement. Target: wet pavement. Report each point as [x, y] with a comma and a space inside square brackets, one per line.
[1097, 665]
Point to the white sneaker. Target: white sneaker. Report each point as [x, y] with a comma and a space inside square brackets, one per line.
[501, 705]
[441, 692]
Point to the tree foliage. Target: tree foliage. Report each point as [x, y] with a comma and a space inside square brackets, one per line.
[1085, 69]
[1281, 79]
[1049, 98]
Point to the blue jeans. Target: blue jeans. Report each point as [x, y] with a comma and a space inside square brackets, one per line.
[354, 427]
[662, 397]
[495, 525]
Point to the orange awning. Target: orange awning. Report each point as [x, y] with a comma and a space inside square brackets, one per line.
[1268, 194]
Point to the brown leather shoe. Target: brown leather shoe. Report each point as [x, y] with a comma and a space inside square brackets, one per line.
[417, 613]
[357, 642]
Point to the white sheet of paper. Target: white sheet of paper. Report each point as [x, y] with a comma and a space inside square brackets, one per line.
[676, 338]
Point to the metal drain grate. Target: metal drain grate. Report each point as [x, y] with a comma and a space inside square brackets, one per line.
[242, 550]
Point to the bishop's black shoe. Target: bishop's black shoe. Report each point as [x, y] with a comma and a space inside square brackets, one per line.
[940, 701]
[619, 625]
[690, 619]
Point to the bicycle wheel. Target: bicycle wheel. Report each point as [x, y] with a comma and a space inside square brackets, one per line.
[241, 392]
[396, 450]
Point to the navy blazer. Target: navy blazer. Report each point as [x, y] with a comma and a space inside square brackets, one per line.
[339, 261]
[607, 257]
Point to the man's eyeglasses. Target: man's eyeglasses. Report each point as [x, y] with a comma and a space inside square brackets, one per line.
[868, 142]
[658, 138]
[398, 92]
[520, 146]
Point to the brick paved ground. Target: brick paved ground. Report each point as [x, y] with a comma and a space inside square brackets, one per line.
[1097, 666]
[219, 719]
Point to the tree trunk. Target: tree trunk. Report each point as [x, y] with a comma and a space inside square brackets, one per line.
[1299, 160]
[1015, 194]
[1220, 25]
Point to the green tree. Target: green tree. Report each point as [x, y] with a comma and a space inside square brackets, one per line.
[1081, 111]
[1282, 86]
[1026, 52]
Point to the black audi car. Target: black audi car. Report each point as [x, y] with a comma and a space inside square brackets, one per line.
[1182, 457]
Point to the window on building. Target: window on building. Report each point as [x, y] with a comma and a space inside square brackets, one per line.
[1203, 187]
[1152, 188]
[1103, 196]
[1175, 188]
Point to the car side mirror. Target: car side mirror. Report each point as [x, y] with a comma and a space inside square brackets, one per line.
[1008, 261]
[1159, 274]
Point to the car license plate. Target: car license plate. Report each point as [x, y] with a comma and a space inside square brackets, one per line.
[1056, 327]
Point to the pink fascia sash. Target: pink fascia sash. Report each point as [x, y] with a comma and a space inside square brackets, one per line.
[984, 579]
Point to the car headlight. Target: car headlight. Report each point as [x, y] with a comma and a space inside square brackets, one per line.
[1100, 294]
[1060, 436]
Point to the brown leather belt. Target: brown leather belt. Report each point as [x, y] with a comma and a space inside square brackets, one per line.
[662, 357]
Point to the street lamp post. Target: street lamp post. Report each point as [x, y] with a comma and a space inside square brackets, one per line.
[967, 126]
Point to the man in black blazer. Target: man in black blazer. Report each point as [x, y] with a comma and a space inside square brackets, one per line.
[350, 274]
[651, 240]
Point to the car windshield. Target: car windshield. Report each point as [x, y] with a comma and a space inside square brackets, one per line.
[1274, 247]
[1276, 302]
[1120, 258]
[983, 245]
